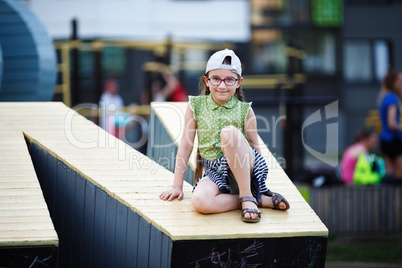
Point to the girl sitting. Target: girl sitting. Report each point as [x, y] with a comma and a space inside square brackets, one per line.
[235, 171]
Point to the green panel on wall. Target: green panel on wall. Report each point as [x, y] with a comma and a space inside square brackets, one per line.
[327, 13]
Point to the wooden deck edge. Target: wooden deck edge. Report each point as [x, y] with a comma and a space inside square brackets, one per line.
[248, 236]
[24, 243]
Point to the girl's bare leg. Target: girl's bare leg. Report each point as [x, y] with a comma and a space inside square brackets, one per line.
[207, 198]
[240, 159]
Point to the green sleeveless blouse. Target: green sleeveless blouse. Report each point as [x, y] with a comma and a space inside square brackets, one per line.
[212, 118]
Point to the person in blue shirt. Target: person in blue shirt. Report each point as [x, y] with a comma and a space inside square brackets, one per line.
[391, 132]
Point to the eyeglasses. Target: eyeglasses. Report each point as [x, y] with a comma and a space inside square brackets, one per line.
[216, 81]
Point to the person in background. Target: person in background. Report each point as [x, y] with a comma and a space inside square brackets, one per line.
[365, 141]
[111, 103]
[163, 85]
[112, 118]
[391, 131]
[178, 93]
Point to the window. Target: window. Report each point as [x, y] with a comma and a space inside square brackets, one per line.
[113, 61]
[365, 60]
[381, 58]
[320, 48]
[269, 58]
[357, 61]
[279, 12]
[86, 63]
[269, 52]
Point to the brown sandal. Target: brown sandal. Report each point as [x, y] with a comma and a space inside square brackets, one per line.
[250, 210]
[276, 199]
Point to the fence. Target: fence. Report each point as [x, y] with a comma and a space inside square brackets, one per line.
[359, 210]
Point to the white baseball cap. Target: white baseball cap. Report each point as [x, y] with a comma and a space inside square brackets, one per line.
[216, 61]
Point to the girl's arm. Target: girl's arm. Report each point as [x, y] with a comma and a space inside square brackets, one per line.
[391, 119]
[250, 128]
[183, 155]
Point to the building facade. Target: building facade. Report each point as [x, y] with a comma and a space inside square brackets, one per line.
[333, 54]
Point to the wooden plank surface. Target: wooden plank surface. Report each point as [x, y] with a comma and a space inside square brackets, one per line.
[24, 216]
[131, 177]
[300, 220]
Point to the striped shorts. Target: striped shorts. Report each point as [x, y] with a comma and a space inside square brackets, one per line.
[218, 171]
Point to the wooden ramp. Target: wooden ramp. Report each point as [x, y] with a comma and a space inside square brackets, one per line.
[27, 234]
[102, 196]
[167, 120]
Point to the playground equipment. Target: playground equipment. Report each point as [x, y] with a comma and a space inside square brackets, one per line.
[103, 199]
[27, 57]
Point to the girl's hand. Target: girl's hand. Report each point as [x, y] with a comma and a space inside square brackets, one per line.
[171, 194]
